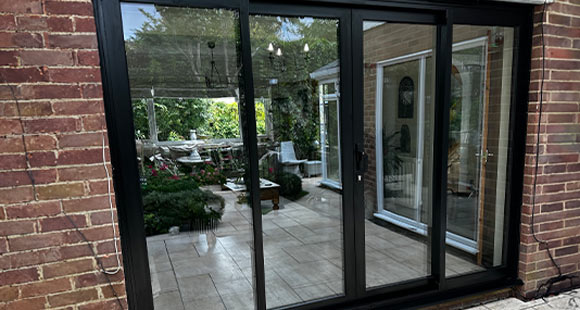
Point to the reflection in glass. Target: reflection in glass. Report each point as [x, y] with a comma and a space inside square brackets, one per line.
[478, 145]
[398, 126]
[183, 72]
[295, 65]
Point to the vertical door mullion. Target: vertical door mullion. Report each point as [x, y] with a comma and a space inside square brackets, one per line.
[441, 142]
[347, 119]
[358, 132]
[251, 144]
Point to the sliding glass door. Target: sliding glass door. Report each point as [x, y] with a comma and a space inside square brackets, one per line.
[275, 155]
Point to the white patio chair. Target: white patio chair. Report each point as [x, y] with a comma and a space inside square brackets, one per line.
[288, 160]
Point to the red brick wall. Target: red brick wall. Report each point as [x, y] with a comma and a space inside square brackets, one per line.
[557, 218]
[49, 70]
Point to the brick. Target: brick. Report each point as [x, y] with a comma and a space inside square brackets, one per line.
[45, 287]
[86, 204]
[20, 39]
[33, 258]
[14, 195]
[17, 161]
[18, 276]
[42, 159]
[41, 241]
[33, 210]
[59, 191]
[82, 75]
[75, 251]
[62, 223]
[11, 145]
[8, 58]
[75, 157]
[92, 91]
[14, 178]
[8, 293]
[78, 107]
[93, 122]
[72, 41]
[37, 108]
[51, 125]
[47, 58]
[43, 23]
[68, 268]
[49, 91]
[100, 218]
[21, 6]
[69, 8]
[553, 207]
[87, 58]
[81, 140]
[71, 298]
[40, 143]
[567, 250]
[7, 22]
[81, 173]
[36, 303]
[16, 227]
[85, 24]
[10, 127]
[104, 304]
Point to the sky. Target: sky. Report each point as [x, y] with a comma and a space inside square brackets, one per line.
[133, 18]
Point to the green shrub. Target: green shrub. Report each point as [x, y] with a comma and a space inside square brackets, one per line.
[172, 200]
[290, 184]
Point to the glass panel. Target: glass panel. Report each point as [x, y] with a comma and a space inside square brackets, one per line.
[478, 146]
[398, 126]
[183, 66]
[293, 60]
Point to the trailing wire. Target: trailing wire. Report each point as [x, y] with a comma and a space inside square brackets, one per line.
[560, 277]
[69, 219]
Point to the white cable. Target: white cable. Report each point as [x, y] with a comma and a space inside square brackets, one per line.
[110, 208]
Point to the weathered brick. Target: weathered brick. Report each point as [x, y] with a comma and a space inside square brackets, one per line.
[51, 125]
[78, 107]
[75, 157]
[21, 6]
[62, 222]
[20, 39]
[8, 293]
[84, 24]
[7, 22]
[40, 143]
[71, 298]
[41, 241]
[81, 75]
[80, 173]
[18, 276]
[59, 191]
[47, 58]
[84, 41]
[86, 204]
[69, 8]
[68, 268]
[87, 58]
[36, 209]
[48, 91]
[11, 145]
[45, 287]
[17, 194]
[35, 303]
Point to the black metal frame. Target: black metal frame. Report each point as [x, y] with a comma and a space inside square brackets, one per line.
[350, 14]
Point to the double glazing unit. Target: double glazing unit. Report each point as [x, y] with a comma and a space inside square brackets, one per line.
[318, 154]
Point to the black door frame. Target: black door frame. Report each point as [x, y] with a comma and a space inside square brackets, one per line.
[431, 289]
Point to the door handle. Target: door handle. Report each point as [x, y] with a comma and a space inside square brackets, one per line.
[362, 161]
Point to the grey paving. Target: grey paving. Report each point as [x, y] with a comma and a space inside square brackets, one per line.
[302, 256]
[565, 301]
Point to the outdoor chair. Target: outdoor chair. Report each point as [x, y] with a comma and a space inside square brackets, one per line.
[288, 159]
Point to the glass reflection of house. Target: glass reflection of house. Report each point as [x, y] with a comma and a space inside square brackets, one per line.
[329, 94]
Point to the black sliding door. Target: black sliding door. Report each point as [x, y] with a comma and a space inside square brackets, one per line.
[317, 155]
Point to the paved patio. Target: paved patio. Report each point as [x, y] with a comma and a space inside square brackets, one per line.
[565, 301]
[302, 250]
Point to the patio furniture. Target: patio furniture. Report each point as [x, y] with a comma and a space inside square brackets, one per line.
[312, 168]
[288, 158]
[268, 191]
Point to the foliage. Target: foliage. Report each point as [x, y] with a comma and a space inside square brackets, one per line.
[290, 184]
[391, 160]
[174, 117]
[173, 200]
[207, 174]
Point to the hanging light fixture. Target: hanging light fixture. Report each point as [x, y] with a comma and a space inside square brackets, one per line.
[306, 48]
[279, 52]
[270, 48]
